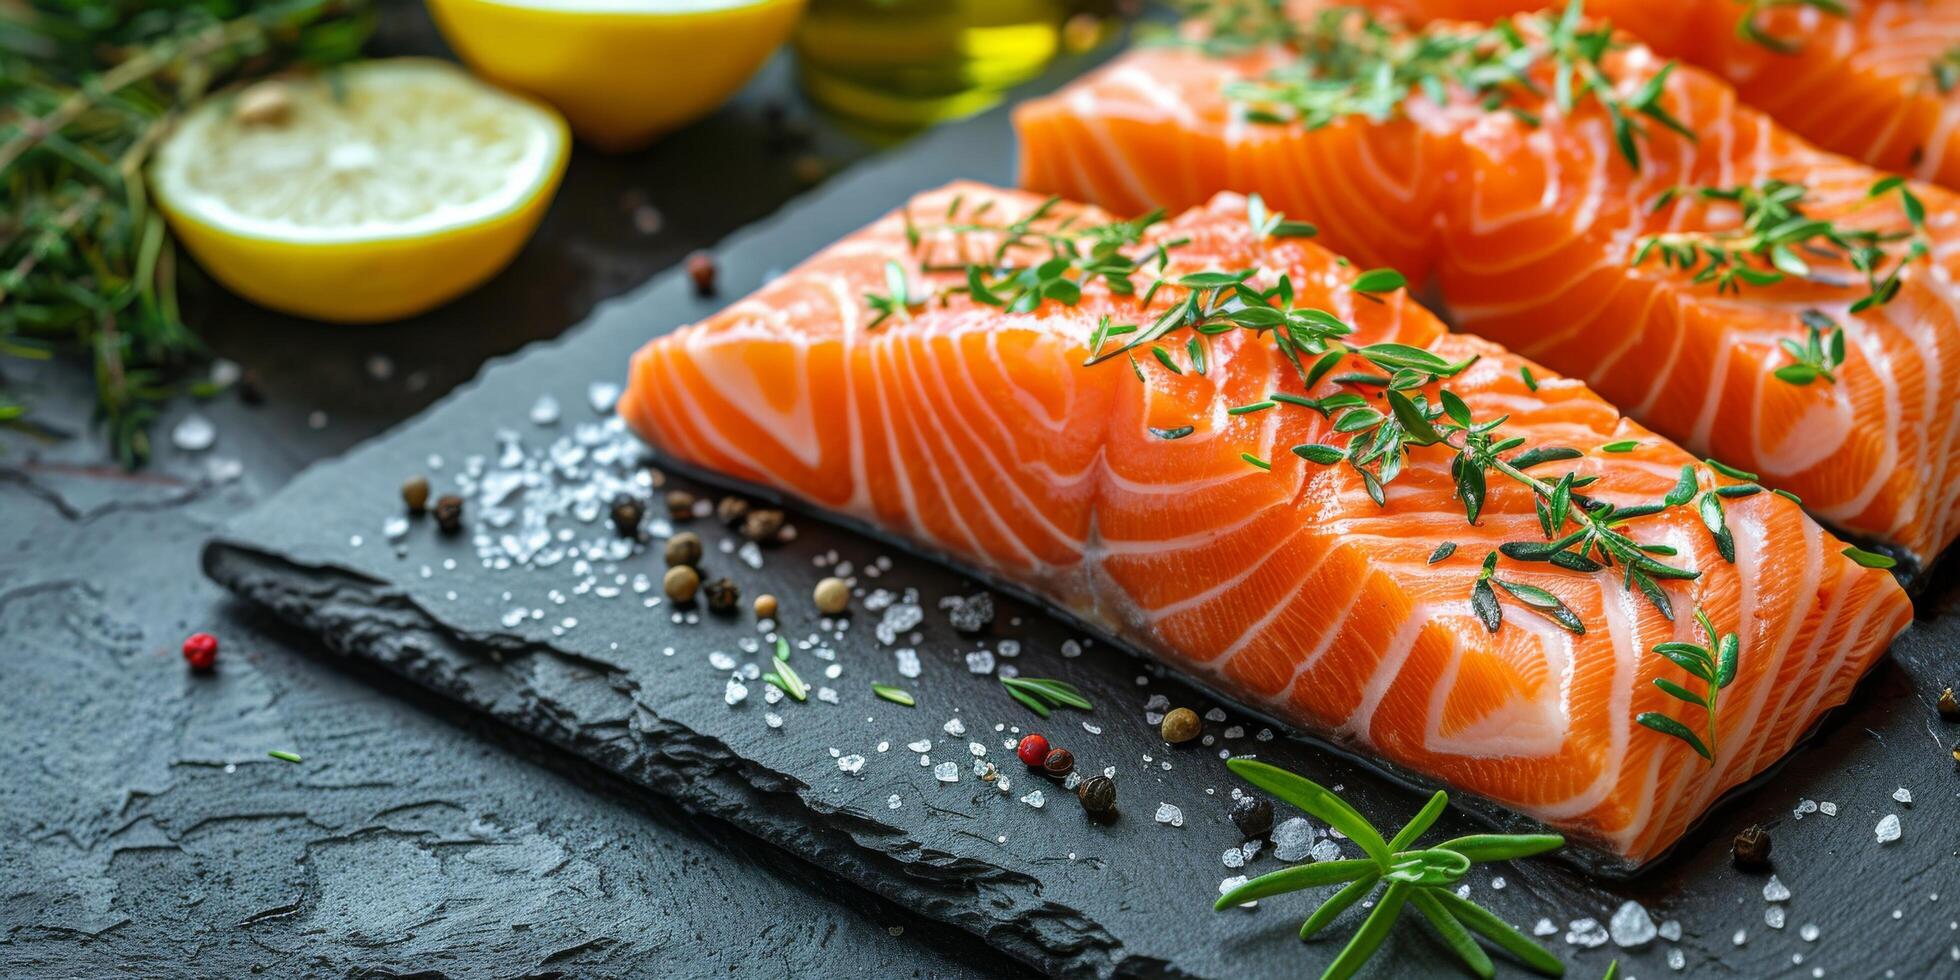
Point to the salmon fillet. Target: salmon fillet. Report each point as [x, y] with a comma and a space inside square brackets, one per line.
[1535, 224]
[1880, 84]
[979, 434]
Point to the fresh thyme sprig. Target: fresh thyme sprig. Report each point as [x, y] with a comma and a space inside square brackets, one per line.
[785, 676]
[1423, 877]
[1715, 668]
[1818, 356]
[1748, 28]
[1042, 695]
[85, 262]
[1351, 64]
[1778, 239]
[898, 300]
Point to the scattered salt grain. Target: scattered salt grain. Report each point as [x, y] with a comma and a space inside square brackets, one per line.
[893, 802]
[1234, 858]
[1827, 808]
[545, 411]
[1215, 714]
[976, 748]
[1234, 882]
[1741, 936]
[1293, 839]
[1631, 926]
[1169, 814]
[828, 695]
[1545, 927]
[1586, 932]
[1776, 890]
[194, 433]
[773, 719]
[1773, 916]
[1903, 795]
[955, 727]
[1325, 849]
[851, 763]
[1677, 960]
[946, 772]
[1035, 799]
[602, 395]
[1092, 729]
[1805, 807]
[1809, 932]
[721, 661]
[980, 661]
[1070, 648]
[1671, 930]
[736, 692]
[1497, 883]
[922, 745]
[1888, 829]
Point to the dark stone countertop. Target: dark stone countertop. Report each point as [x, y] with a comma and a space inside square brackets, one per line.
[142, 827]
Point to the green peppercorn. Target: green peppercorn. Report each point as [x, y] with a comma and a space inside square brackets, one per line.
[1181, 725]
[1751, 849]
[449, 513]
[1098, 795]
[1253, 815]
[684, 549]
[415, 493]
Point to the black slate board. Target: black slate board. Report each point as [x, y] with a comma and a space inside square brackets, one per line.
[1063, 894]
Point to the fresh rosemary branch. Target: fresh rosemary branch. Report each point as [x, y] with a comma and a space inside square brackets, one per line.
[1349, 63]
[1778, 239]
[1715, 668]
[86, 264]
[1423, 877]
[1042, 695]
[1748, 28]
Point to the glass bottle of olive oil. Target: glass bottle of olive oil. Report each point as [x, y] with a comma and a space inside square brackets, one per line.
[902, 64]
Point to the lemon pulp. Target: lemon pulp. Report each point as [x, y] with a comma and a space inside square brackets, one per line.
[374, 192]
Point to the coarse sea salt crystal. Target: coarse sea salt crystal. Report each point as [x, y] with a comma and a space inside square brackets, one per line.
[893, 802]
[851, 763]
[1586, 932]
[1671, 930]
[1804, 807]
[1631, 926]
[1035, 799]
[721, 661]
[922, 745]
[1809, 932]
[980, 661]
[1293, 839]
[1741, 936]
[193, 433]
[1773, 917]
[1325, 849]
[735, 692]
[1545, 927]
[1888, 829]
[954, 727]
[601, 395]
[545, 411]
[1827, 808]
[1166, 813]
[976, 748]
[1776, 890]
[1234, 858]
[946, 772]
[1234, 882]
[1903, 795]
[908, 662]
[1677, 960]
[773, 719]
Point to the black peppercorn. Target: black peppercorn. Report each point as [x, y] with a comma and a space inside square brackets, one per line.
[1752, 848]
[627, 513]
[1253, 815]
[762, 525]
[701, 271]
[680, 505]
[684, 549]
[449, 513]
[415, 493]
[1058, 763]
[1949, 706]
[722, 595]
[1098, 794]
[731, 510]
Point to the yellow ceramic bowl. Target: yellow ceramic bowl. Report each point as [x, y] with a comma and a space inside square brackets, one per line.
[622, 71]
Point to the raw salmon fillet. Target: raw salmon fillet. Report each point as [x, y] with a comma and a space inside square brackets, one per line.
[980, 435]
[1530, 221]
[1880, 84]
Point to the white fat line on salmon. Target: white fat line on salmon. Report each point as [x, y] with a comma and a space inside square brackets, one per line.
[1360, 721]
[908, 497]
[919, 453]
[1083, 102]
[1227, 585]
[1746, 528]
[1535, 727]
[1766, 666]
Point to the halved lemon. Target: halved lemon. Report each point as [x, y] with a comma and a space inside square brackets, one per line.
[623, 71]
[372, 192]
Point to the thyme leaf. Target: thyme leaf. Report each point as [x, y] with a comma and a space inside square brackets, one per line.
[1042, 695]
[1748, 27]
[1715, 668]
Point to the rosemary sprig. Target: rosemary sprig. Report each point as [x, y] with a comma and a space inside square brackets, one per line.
[1423, 877]
[785, 676]
[1749, 29]
[1778, 238]
[1042, 695]
[1351, 64]
[86, 264]
[896, 695]
[1715, 668]
[898, 300]
[284, 756]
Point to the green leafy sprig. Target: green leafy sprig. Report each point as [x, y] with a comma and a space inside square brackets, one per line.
[1946, 70]
[1778, 239]
[1749, 28]
[785, 676]
[86, 263]
[1714, 665]
[1818, 356]
[1042, 695]
[1406, 875]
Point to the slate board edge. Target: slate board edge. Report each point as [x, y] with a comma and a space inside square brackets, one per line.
[360, 617]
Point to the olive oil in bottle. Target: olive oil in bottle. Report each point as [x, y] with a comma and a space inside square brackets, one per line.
[902, 64]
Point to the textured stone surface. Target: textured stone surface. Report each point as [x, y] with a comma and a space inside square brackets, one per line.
[1043, 885]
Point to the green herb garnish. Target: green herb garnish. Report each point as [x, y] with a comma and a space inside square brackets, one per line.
[1714, 668]
[785, 676]
[898, 299]
[1041, 695]
[1869, 559]
[86, 263]
[1748, 29]
[1423, 877]
[895, 695]
[1821, 353]
[284, 756]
